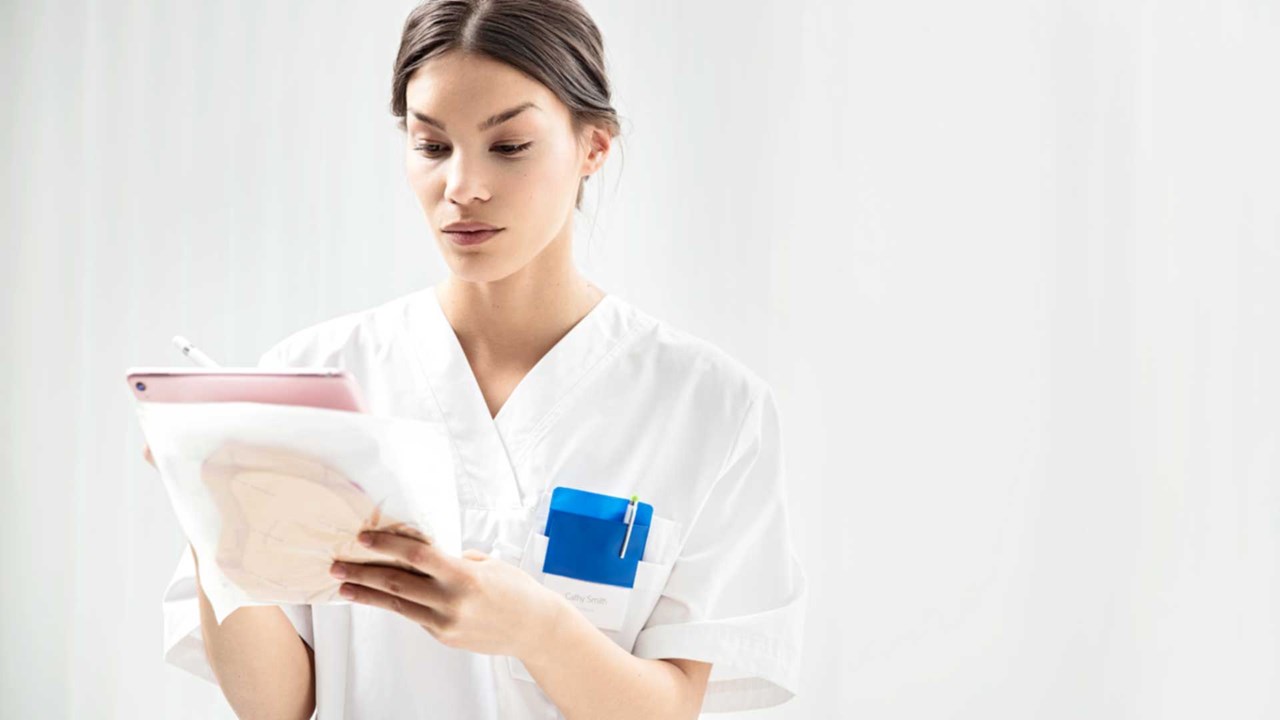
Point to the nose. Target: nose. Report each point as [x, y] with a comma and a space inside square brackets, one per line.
[466, 180]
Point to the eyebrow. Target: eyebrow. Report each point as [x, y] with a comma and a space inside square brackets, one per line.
[492, 122]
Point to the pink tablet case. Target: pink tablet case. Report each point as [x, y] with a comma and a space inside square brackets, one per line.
[312, 387]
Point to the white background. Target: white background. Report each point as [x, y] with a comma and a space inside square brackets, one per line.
[1012, 268]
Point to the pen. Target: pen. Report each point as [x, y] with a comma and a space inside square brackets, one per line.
[189, 349]
[630, 520]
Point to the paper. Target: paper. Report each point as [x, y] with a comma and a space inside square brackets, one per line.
[270, 495]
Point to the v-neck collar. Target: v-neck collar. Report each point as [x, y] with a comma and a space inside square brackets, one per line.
[489, 449]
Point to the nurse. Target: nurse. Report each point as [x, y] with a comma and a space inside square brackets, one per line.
[542, 380]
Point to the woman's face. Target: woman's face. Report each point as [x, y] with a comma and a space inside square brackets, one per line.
[470, 160]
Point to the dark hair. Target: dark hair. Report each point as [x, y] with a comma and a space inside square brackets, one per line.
[552, 41]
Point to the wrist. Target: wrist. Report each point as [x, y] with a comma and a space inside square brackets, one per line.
[548, 621]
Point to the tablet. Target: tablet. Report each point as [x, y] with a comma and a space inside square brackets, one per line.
[309, 386]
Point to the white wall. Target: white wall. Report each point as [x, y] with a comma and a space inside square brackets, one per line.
[1012, 268]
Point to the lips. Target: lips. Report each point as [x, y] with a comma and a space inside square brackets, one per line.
[469, 227]
[470, 238]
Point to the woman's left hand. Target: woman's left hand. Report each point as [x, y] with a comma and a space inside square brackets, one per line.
[475, 602]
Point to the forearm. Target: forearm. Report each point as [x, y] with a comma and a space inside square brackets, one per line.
[264, 668]
[587, 675]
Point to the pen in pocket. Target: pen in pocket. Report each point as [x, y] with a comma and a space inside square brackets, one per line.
[630, 520]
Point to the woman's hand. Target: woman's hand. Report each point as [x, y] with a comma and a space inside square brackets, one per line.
[475, 602]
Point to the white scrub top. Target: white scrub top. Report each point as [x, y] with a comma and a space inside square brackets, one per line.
[623, 404]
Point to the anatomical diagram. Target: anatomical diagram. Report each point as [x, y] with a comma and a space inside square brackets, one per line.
[285, 518]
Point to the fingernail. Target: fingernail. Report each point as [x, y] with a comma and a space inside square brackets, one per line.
[338, 571]
[365, 540]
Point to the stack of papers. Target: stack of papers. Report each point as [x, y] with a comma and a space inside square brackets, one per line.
[270, 495]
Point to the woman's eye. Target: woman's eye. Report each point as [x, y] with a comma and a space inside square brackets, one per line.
[513, 149]
[425, 149]
[433, 150]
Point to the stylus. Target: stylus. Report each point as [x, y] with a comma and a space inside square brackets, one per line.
[189, 349]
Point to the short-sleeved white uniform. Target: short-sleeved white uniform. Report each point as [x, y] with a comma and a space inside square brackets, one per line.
[623, 404]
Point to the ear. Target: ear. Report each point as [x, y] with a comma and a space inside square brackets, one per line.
[598, 142]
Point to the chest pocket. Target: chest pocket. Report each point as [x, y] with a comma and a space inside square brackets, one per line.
[652, 571]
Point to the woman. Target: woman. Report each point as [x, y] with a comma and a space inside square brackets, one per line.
[543, 380]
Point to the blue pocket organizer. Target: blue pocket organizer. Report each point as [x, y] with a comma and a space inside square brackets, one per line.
[584, 536]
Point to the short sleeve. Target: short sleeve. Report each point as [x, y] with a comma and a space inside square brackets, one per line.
[183, 640]
[736, 594]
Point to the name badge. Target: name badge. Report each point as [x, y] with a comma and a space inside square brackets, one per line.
[604, 605]
[585, 562]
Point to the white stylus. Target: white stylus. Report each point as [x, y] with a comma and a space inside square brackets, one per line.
[189, 349]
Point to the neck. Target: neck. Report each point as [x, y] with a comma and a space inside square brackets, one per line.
[515, 320]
